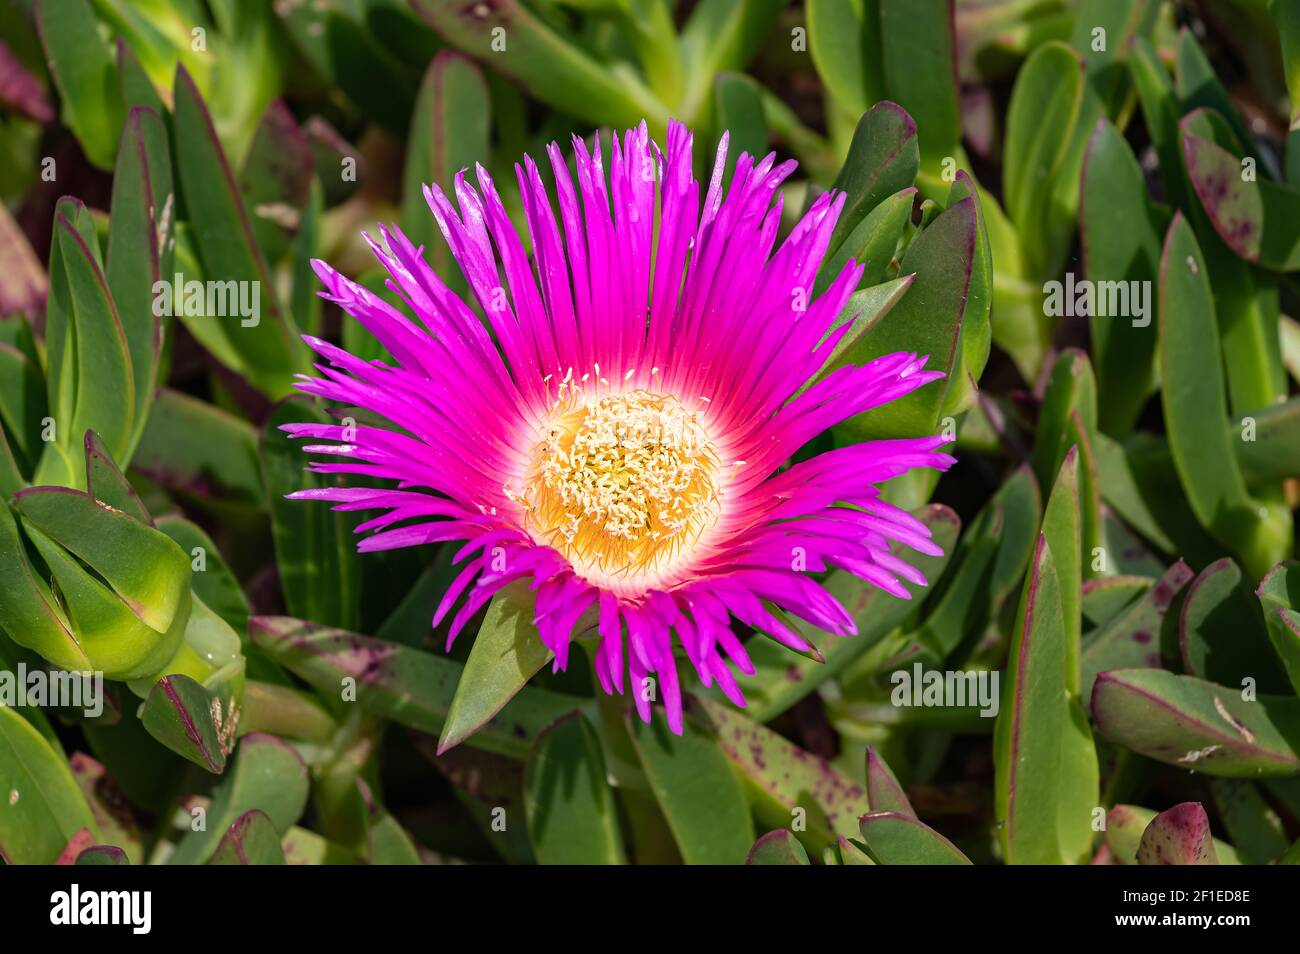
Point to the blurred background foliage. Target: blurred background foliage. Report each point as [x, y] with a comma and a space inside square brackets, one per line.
[1119, 531]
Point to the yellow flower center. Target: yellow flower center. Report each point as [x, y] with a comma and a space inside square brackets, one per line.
[622, 485]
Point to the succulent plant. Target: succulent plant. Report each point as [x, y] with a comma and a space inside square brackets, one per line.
[1058, 240]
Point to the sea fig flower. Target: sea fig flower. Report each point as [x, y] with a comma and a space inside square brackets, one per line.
[618, 434]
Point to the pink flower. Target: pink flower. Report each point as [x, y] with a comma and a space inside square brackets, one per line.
[616, 433]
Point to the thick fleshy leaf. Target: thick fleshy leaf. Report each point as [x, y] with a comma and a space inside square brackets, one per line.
[976, 323]
[989, 562]
[1032, 721]
[1196, 413]
[1179, 836]
[1108, 596]
[387, 843]
[91, 378]
[258, 332]
[1221, 636]
[250, 840]
[1120, 241]
[199, 450]
[1254, 216]
[1196, 725]
[697, 789]
[884, 794]
[1199, 87]
[1252, 824]
[1279, 595]
[180, 713]
[844, 40]
[213, 581]
[275, 180]
[44, 808]
[143, 567]
[883, 160]
[782, 778]
[505, 655]
[1273, 452]
[1044, 109]
[862, 311]
[1245, 299]
[405, 685]
[572, 818]
[1133, 638]
[449, 132]
[1119, 21]
[28, 610]
[112, 814]
[1072, 387]
[1161, 112]
[777, 847]
[917, 43]
[1077, 772]
[1139, 482]
[1125, 825]
[872, 244]
[551, 68]
[106, 482]
[267, 775]
[895, 839]
[83, 70]
[140, 239]
[927, 321]
[103, 855]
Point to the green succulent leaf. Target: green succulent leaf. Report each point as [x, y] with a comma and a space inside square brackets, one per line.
[250, 840]
[570, 807]
[883, 161]
[267, 775]
[449, 132]
[884, 794]
[777, 847]
[1221, 635]
[895, 839]
[918, 59]
[1179, 836]
[1125, 826]
[1196, 412]
[505, 655]
[1279, 595]
[1045, 105]
[84, 73]
[928, 320]
[263, 342]
[180, 713]
[781, 777]
[1196, 725]
[200, 451]
[1140, 634]
[405, 685]
[45, 808]
[701, 797]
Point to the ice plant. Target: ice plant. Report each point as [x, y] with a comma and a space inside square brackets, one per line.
[618, 434]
